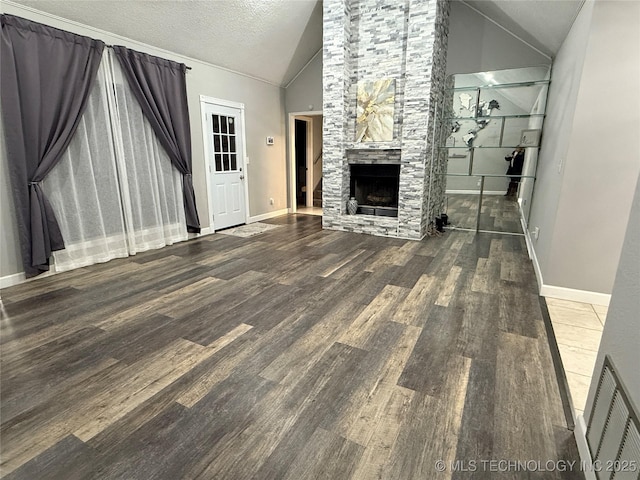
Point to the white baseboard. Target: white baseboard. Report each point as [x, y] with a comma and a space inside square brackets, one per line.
[267, 216]
[580, 434]
[474, 192]
[18, 278]
[534, 260]
[562, 293]
[573, 295]
[203, 231]
[11, 280]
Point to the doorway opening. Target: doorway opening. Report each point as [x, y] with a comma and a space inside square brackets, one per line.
[300, 133]
[305, 163]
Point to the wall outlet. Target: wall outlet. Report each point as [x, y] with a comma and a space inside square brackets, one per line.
[536, 233]
[560, 163]
[271, 201]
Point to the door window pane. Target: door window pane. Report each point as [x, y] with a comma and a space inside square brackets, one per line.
[224, 143]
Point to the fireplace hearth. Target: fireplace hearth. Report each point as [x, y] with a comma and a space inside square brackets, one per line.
[376, 188]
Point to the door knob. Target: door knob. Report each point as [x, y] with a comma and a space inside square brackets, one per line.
[241, 177]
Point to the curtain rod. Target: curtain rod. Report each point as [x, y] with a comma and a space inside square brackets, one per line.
[111, 46]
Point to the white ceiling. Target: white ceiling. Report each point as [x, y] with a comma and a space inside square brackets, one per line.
[268, 39]
[274, 39]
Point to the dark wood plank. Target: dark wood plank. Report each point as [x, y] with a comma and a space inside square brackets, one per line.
[433, 351]
[70, 459]
[297, 353]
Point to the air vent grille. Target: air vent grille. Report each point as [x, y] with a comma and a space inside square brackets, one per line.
[613, 430]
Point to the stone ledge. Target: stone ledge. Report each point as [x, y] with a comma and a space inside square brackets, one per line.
[373, 146]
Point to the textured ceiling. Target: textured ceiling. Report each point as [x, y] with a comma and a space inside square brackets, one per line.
[274, 39]
[268, 39]
[544, 24]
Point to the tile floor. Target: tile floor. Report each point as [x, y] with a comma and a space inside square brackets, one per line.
[578, 328]
[309, 210]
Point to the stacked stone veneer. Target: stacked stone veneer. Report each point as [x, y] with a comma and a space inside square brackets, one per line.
[374, 39]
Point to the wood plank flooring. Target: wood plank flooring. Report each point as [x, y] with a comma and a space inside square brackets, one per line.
[296, 354]
[499, 213]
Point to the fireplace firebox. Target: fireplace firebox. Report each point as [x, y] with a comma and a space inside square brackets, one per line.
[376, 187]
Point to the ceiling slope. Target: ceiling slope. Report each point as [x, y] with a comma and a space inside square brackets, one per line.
[274, 39]
[267, 39]
[543, 24]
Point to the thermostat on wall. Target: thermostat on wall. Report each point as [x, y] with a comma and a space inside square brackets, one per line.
[269, 140]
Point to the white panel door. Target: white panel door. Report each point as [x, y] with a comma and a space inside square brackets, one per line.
[226, 165]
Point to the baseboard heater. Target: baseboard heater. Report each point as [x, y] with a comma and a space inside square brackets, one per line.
[613, 429]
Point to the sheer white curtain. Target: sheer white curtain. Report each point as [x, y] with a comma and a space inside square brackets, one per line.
[151, 186]
[115, 191]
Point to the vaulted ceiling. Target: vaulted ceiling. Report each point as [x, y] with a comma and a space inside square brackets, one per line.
[543, 24]
[274, 39]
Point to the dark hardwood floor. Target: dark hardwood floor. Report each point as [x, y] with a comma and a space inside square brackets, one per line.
[296, 354]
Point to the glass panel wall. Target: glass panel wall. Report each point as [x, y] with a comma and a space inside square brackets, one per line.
[495, 121]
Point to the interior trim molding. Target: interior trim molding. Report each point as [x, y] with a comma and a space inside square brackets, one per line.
[532, 252]
[561, 376]
[574, 295]
[303, 68]
[11, 280]
[474, 192]
[18, 278]
[562, 293]
[130, 41]
[268, 215]
[7, 281]
[580, 434]
[203, 231]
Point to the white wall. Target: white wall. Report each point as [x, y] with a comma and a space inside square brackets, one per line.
[621, 335]
[590, 156]
[317, 148]
[304, 93]
[478, 45]
[10, 255]
[475, 45]
[264, 109]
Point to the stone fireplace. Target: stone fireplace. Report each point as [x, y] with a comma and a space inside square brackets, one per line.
[376, 188]
[398, 183]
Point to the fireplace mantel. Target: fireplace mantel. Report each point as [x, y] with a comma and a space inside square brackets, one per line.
[373, 146]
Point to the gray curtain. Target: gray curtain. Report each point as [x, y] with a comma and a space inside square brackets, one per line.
[46, 77]
[161, 88]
